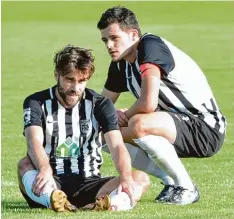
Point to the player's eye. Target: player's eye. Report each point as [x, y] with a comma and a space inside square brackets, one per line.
[114, 38]
[104, 41]
[83, 80]
[69, 79]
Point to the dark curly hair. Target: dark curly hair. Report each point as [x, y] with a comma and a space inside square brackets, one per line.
[124, 17]
[72, 58]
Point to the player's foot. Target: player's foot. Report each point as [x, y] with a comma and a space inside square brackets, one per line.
[165, 194]
[59, 202]
[182, 196]
[102, 203]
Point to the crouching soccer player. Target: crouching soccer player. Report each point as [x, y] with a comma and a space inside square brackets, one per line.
[175, 114]
[62, 126]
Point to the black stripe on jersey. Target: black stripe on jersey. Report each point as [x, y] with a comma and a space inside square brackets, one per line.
[69, 133]
[54, 139]
[136, 73]
[129, 79]
[99, 158]
[67, 166]
[181, 97]
[90, 151]
[44, 124]
[68, 123]
[82, 138]
[167, 102]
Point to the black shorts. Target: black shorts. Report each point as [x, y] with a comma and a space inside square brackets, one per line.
[194, 137]
[79, 191]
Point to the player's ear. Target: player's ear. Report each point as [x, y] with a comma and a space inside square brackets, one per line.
[135, 35]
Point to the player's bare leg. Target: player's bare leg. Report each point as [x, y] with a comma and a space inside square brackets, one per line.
[109, 199]
[54, 199]
[155, 133]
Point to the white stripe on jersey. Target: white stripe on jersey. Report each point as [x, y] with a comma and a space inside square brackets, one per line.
[75, 137]
[118, 66]
[135, 83]
[87, 158]
[222, 124]
[74, 165]
[61, 124]
[95, 153]
[136, 63]
[61, 136]
[59, 166]
[49, 126]
[164, 106]
[51, 93]
[126, 73]
[208, 118]
[170, 95]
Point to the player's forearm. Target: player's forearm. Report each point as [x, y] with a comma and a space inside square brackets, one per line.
[39, 157]
[111, 95]
[148, 100]
[34, 136]
[140, 107]
[122, 162]
[119, 153]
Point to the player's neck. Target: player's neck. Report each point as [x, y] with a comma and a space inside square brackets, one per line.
[131, 57]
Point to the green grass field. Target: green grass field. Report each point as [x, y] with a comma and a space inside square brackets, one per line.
[33, 31]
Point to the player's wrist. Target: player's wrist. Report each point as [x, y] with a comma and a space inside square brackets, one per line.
[126, 177]
[46, 169]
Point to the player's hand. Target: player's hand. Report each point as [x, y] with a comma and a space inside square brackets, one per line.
[43, 179]
[133, 190]
[122, 118]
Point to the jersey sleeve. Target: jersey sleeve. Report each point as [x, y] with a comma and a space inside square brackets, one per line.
[32, 112]
[116, 79]
[152, 49]
[106, 115]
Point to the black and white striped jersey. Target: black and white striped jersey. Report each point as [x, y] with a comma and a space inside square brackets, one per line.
[71, 136]
[183, 87]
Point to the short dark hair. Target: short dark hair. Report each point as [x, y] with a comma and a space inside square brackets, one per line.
[124, 17]
[72, 58]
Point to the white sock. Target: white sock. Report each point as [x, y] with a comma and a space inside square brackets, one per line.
[28, 180]
[164, 155]
[141, 161]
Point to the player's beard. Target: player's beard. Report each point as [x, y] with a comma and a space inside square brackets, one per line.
[66, 96]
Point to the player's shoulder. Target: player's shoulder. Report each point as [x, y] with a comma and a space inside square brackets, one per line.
[95, 97]
[41, 96]
[149, 38]
[90, 94]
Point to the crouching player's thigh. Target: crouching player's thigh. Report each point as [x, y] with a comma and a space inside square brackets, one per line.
[195, 138]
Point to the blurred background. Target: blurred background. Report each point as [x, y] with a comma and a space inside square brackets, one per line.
[33, 31]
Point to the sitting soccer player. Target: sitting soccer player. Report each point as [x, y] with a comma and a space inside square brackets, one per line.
[62, 127]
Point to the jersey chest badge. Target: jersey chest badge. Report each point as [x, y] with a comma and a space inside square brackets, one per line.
[85, 126]
[69, 149]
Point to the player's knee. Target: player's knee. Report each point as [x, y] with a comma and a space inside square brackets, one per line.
[140, 129]
[137, 127]
[142, 179]
[24, 165]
